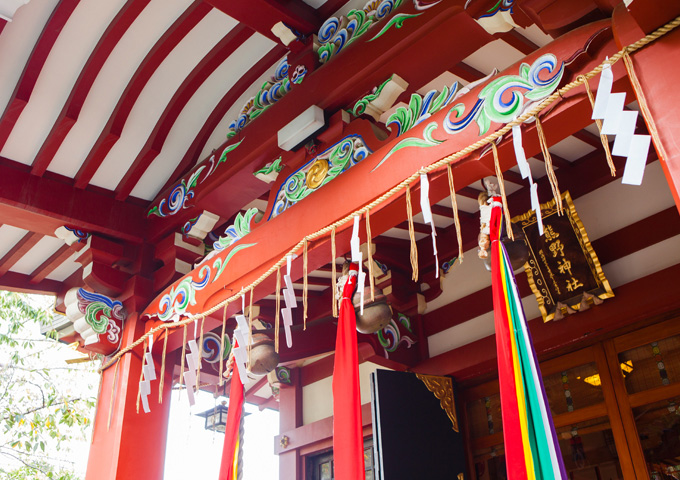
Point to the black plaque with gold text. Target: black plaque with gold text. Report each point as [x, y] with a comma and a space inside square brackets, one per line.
[563, 270]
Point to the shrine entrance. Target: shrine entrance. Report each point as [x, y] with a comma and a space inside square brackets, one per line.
[615, 405]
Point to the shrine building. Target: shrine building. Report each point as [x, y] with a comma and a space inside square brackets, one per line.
[191, 180]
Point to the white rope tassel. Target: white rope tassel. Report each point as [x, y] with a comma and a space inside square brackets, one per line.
[525, 170]
[427, 216]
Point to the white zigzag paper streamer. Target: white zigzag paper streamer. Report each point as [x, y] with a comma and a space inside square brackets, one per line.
[148, 374]
[427, 216]
[193, 360]
[291, 303]
[357, 257]
[525, 170]
[609, 107]
[240, 341]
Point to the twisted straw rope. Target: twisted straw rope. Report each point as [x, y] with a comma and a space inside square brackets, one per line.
[532, 112]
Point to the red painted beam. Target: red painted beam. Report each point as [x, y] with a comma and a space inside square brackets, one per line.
[114, 127]
[71, 110]
[587, 137]
[42, 204]
[17, 282]
[19, 250]
[153, 146]
[245, 82]
[29, 77]
[262, 15]
[520, 42]
[466, 72]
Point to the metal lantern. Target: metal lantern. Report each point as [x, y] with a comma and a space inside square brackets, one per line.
[263, 356]
[216, 418]
[377, 314]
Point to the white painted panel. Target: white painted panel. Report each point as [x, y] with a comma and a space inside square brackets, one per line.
[40, 252]
[643, 262]
[446, 79]
[64, 64]
[571, 148]
[464, 278]
[66, 269]
[474, 329]
[157, 93]
[312, 288]
[402, 234]
[196, 112]
[317, 397]
[465, 204]
[315, 3]
[535, 34]
[113, 78]
[496, 54]
[264, 392]
[615, 205]
[17, 41]
[317, 400]
[10, 236]
[219, 135]
[537, 169]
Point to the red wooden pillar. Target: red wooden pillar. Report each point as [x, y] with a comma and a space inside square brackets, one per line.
[657, 70]
[290, 418]
[133, 445]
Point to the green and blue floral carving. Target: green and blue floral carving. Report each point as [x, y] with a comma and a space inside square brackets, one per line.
[181, 296]
[421, 108]
[427, 141]
[360, 106]
[270, 92]
[504, 98]
[500, 6]
[275, 166]
[183, 191]
[237, 231]
[396, 333]
[340, 157]
[397, 22]
[337, 33]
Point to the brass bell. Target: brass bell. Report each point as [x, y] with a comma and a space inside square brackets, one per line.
[377, 314]
[263, 356]
[518, 250]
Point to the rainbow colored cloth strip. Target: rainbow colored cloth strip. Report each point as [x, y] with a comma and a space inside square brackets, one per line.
[531, 447]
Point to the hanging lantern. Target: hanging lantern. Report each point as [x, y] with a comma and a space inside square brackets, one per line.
[216, 418]
[377, 314]
[263, 356]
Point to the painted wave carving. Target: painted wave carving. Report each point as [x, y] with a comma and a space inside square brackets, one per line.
[508, 96]
[319, 171]
[184, 190]
[270, 92]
